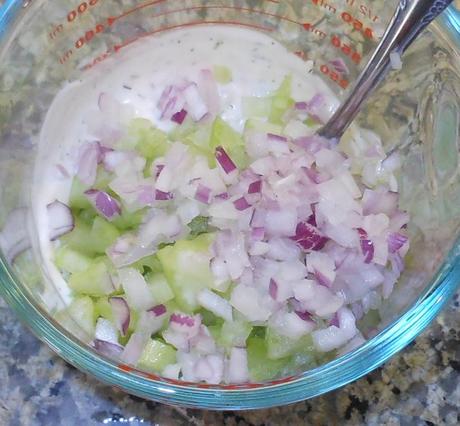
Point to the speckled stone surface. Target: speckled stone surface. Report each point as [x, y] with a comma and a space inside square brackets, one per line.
[420, 386]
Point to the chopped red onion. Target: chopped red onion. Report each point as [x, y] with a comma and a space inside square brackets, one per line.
[304, 315]
[179, 116]
[335, 321]
[222, 196]
[105, 204]
[106, 331]
[396, 241]
[183, 320]
[60, 219]
[273, 289]
[163, 196]
[224, 160]
[237, 367]
[158, 310]
[367, 246]
[203, 194]
[241, 204]
[276, 138]
[208, 90]
[121, 314]
[215, 304]
[258, 234]
[255, 187]
[133, 349]
[308, 237]
[111, 350]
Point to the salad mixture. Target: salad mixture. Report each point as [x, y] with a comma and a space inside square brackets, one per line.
[216, 237]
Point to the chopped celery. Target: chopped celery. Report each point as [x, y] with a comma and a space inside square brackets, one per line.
[103, 178]
[224, 135]
[160, 289]
[222, 74]
[103, 234]
[262, 126]
[128, 220]
[78, 199]
[262, 368]
[150, 141]
[369, 321]
[186, 267]
[256, 107]
[156, 356]
[208, 318]
[79, 318]
[70, 260]
[198, 142]
[281, 101]
[234, 333]
[94, 281]
[87, 215]
[279, 346]
[148, 264]
[80, 238]
[102, 308]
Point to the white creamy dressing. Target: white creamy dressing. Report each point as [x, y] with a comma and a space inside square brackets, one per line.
[136, 77]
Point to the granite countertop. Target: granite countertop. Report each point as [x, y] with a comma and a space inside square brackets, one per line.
[419, 386]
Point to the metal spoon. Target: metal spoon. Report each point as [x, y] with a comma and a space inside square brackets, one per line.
[410, 19]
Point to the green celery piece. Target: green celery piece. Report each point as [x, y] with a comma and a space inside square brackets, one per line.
[27, 270]
[103, 234]
[262, 126]
[161, 291]
[279, 346]
[80, 238]
[261, 368]
[148, 264]
[156, 356]
[234, 332]
[210, 319]
[198, 142]
[186, 267]
[78, 199]
[79, 318]
[103, 178]
[222, 74]
[94, 281]
[151, 142]
[87, 215]
[103, 308]
[224, 135]
[70, 260]
[281, 101]
[128, 220]
[255, 107]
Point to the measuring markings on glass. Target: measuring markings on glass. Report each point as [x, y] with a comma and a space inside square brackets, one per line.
[334, 76]
[349, 18]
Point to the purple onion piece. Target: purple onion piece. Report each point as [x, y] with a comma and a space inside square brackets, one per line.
[304, 315]
[203, 194]
[224, 160]
[335, 321]
[222, 196]
[179, 116]
[277, 138]
[309, 237]
[60, 219]
[255, 187]
[163, 196]
[105, 204]
[121, 313]
[396, 241]
[108, 349]
[273, 289]
[322, 279]
[241, 204]
[182, 320]
[158, 310]
[367, 246]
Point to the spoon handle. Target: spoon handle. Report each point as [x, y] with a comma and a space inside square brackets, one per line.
[411, 17]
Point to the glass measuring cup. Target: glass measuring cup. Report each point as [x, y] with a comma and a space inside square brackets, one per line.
[45, 44]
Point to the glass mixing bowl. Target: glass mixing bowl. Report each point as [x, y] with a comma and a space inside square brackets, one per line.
[43, 44]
